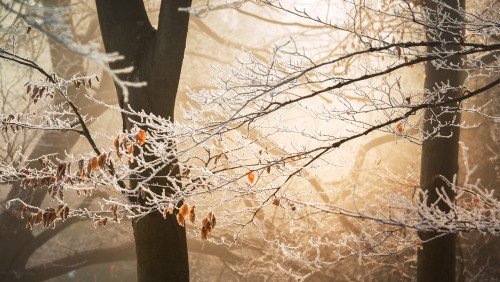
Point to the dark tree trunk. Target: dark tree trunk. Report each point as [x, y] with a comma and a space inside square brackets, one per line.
[157, 59]
[436, 262]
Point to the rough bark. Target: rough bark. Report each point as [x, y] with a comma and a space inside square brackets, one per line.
[436, 262]
[157, 57]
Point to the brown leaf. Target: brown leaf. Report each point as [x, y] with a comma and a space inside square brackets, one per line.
[180, 219]
[61, 171]
[65, 213]
[116, 144]
[205, 228]
[140, 137]
[213, 221]
[192, 215]
[38, 218]
[29, 225]
[182, 214]
[399, 128]
[398, 51]
[276, 202]
[101, 222]
[94, 163]
[102, 160]
[251, 177]
[184, 210]
[268, 169]
[81, 170]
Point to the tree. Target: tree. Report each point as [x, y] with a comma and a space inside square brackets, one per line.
[157, 59]
[238, 154]
[437, 260]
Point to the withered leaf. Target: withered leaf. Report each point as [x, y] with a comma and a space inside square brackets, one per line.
[192, 215]
[184, 210]
[116, 144]
[94, 163]
[251, 177]
[205, 228]
[102, 160]
[61, 171]
[140, 137]
[399, 128]
[38, 218]
[182, 214]
[180, 219]
[276, 202]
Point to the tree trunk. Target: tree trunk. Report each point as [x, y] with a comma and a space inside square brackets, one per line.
[436, 262]
[157, 59]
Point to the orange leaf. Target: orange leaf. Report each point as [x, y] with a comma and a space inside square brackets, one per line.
[130, 149]
[399, 128]
[102, 160]
[140, 137]
[398, 51]
[94, 162]
[205, 228]
[192, 215]
[276, 202]
[184, 210]
[116, 144]
[251, 177]
[180, 219]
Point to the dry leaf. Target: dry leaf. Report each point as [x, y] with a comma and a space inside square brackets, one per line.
[38, 218]
[94, 163]
[399, 128]
[182, 214]
[398, 51]
[251, 177]
[180, 219]
[102, 160]
[205, 228]
[192, 215]
[116, 144]
[276, 202]
[140, 137]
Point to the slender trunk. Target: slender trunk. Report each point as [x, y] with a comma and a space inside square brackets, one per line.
[157, 58]
[436, 262]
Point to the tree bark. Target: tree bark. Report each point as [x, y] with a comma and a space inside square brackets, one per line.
[157, 58]
[436, 262]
